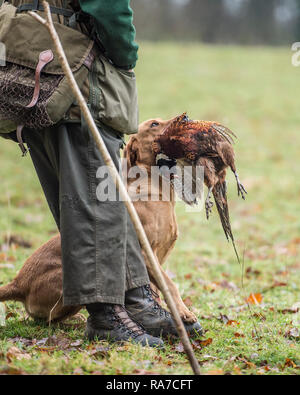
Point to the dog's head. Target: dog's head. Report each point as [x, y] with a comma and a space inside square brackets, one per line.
[138, 150]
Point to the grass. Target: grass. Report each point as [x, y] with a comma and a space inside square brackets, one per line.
[255, 92]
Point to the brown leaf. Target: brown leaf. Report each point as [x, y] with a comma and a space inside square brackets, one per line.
[211, 287]
[294, 333]
[278, 284]
[58, 341]
[237, 370]
[16, 353]
[250, 365]
[188, 302]
[232, 323]
[289, 363]
[99, 351]
[290, 310]
[206, 342]
[259, 316]
[293, 309]
[216, 372]
[238, 334]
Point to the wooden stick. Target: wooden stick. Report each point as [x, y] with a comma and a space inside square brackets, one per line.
[48, 23]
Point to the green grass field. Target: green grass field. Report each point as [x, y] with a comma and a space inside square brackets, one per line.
[254, 91]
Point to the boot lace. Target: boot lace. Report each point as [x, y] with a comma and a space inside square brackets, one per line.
[151, 295]
[120, 316]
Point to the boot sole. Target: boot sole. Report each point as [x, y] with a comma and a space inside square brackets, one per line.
[92, 335]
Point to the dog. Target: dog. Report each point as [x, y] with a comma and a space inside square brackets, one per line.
[38, 284]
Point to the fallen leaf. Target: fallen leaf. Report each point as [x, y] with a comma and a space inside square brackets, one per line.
[58, 341]
[211, 287]
[216, 372]
[250, 271]
[278, 284]
[188, 302]
[250, 365]
[206, 342]
[232, 323]
[237, 370]
[99, 351]
[259, 316]
[255, 298]
[291, 310]
[294, 333]
[16, 353]
[289, 363]
[238, 334]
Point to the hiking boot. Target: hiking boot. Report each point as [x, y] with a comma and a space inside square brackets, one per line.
[108, 321]
[142, 307]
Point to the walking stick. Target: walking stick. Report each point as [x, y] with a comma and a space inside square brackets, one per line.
[48, 23]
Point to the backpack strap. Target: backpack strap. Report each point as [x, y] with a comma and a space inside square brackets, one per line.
[36, 6]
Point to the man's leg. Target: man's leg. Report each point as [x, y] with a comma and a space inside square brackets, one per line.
[93, 233]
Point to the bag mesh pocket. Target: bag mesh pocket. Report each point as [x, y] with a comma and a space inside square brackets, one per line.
[16, 91]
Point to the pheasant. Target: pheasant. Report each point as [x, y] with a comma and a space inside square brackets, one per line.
[207, 144]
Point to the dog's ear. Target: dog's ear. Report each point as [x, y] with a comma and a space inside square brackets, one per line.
[131, 152]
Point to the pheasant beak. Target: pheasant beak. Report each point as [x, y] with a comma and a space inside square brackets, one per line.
[185, 119]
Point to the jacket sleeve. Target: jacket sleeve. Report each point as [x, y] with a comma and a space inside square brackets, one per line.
[115, 29]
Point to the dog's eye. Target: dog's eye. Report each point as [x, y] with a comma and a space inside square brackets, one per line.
[154, 124]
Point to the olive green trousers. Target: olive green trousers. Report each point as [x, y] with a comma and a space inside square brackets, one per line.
[101, 255]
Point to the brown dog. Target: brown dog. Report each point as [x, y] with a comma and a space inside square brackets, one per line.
[39, 283]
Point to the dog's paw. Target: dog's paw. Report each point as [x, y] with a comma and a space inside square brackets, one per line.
[188, 316]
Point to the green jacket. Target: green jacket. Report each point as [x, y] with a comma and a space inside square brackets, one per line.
[113, 19]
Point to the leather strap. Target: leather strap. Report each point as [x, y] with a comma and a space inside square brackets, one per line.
[38, 7]
[45, 58]
[90, 59]
[20, 140]
[35, 5]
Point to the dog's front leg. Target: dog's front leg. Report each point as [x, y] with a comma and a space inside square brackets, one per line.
[184, 312]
